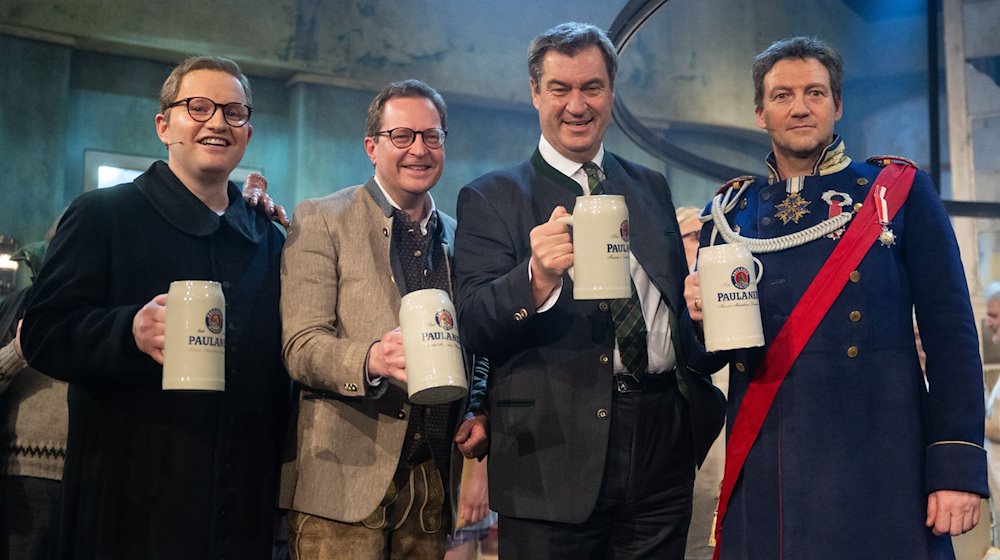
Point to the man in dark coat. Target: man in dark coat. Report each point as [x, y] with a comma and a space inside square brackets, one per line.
[859, 456]
[157, 474]
[591, 455]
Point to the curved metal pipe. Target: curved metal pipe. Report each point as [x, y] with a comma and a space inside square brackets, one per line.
[621, 33]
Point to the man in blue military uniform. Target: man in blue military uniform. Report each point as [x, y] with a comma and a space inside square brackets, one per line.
[857, 455]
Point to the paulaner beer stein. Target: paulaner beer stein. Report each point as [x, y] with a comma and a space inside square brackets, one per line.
[729, 299]
[435, 366]
[194, 346]
[600, 247]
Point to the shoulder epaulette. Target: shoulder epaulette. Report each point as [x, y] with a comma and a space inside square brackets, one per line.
[883, 161]
[742, 179]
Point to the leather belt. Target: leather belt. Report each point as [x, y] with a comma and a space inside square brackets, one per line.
[648, 383]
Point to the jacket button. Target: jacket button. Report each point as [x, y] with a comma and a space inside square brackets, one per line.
[603, 306]
[855, 316]
[855, 277]
[385, 231]
[862, 181]
[401, 415]
[521, 314]
[605, 359]
[602, 413]
[852, 352]
[765, 196]
[857, 206]
[765, 221]
[740, 367]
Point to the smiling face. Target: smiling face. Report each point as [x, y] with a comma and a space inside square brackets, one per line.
[407, 173]
[202, 153]
[798, 111]
[574, 97]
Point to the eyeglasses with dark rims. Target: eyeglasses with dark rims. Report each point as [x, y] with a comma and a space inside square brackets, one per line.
[403, 137]
[202, 109]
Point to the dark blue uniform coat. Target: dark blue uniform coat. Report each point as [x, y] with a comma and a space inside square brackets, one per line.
[855, 440]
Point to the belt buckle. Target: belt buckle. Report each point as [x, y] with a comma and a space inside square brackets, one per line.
[628, 383]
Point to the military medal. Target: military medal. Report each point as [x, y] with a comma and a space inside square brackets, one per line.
[794, 206]
[887, 237]
[837, 202]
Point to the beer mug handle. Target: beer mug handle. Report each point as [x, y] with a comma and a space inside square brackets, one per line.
[568, 220]
[760, 268]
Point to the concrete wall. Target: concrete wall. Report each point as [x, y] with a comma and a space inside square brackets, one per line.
[79, 75]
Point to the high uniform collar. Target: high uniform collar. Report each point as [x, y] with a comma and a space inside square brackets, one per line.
[832, 159]
[189, 214]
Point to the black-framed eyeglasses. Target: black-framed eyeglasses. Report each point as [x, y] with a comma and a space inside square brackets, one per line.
[202, 109]
[403, 137]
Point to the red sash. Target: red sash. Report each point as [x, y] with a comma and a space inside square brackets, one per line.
[793, 336]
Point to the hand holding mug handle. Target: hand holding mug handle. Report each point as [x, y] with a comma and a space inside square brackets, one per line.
[551, 255]
[568, 220]
[692, 295]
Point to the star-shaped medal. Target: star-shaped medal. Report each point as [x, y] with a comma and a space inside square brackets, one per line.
[792, 208]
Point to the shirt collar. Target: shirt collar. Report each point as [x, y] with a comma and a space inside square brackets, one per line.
[566, 166]
[423, 222]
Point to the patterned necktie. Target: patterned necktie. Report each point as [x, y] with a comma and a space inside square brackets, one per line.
[630, 327]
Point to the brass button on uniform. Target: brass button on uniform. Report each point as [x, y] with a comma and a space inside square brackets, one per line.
[743, 203]
[862, 181]
[852, 352]
[605, 359]
[602, 413]
[603, 306]
[765, 221]
[765, 196]
[740, 367]
[857, 206]
[855, 316]
[855, 277]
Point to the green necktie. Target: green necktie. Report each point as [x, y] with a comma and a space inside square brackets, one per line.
[630, 327]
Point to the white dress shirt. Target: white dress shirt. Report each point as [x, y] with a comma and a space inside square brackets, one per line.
[655, 312]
